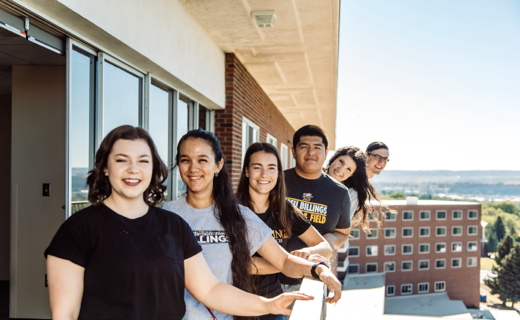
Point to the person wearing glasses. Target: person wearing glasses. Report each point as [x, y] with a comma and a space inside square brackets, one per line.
[377, 154]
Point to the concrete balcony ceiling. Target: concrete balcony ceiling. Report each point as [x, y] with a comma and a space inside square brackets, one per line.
[295, 62]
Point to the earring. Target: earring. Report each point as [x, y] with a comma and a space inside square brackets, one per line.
[216, 174]
[106, 173]
[247, 175]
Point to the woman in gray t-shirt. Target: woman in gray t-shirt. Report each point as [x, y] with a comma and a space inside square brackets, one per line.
[228, 232]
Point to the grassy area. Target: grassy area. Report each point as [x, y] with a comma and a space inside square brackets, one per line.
[486, 263]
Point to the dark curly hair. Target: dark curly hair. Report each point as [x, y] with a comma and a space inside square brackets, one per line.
[97, 181]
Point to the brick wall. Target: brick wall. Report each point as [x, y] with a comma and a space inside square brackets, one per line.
[245, 98]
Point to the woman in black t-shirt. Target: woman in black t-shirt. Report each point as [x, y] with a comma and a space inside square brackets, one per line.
[262, 189]
[124, 258]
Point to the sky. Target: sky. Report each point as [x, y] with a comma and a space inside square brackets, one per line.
[437, 80]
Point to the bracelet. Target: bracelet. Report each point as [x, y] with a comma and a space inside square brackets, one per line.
[313, 269]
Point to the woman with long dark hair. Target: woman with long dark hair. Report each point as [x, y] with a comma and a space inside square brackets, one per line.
[125, 258]
[262, 189]
[348, 166]
[229, 233]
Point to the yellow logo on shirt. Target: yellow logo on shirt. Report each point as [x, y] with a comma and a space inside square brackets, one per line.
[315, 212]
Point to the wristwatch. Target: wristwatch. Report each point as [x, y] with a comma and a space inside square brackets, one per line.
[313, 269]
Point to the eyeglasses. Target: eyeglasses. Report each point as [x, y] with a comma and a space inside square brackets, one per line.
[379, 158]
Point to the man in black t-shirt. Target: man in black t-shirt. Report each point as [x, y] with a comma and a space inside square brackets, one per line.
[324, 201]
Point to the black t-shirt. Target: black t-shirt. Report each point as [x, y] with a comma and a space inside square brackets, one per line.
[269, 285]
[134, 268]
[324, 201]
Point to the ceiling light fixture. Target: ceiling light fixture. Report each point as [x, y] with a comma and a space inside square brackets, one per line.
[264, 19]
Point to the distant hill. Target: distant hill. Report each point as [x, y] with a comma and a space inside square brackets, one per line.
[395, 176]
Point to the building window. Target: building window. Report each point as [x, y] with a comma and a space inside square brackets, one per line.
[472, 246]
[440, 247]
[407, 249]
[407, 232]
[472, 230]
[457, 215]
[440, 263]
[472, 214]
[390, 216]
[353, 269]
[456, 247]
[456, 263]
[390, 233]
[371, 267]
[456, 231]
[372, 234]
[389, 250]
[373, 217]
[472, 262]
[292, 163]
[424, 248]
[424, 215]
[406, 289]
[354, 234]
[353, 252]
[272, 140]
[407, 215]
[250, 135]
[440, 286]
[424, 231]
[441, 215]
[424, 287]
[406, 266]
[440, 231]
[424, 264]
[390, 290]
[389, 266]
[371, 251]
[284, 153]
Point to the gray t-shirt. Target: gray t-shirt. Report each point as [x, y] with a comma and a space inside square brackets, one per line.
[212, 237]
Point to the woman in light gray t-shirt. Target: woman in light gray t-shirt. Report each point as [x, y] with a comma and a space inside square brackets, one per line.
[228, 232]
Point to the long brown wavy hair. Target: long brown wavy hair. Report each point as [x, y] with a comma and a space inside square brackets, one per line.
[98, 182]
[281, 209]
[228, 214]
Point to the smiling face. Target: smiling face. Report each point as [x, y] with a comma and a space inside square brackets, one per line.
[129, 169]
[262, 172]
[342, 168]
[374, 166]
[310, 155]
[197, 166]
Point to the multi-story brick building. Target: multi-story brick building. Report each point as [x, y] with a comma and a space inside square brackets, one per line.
[426, 246]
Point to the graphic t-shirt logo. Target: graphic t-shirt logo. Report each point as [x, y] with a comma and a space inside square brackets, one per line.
[307, 196]
[315, 212]
[210, 236]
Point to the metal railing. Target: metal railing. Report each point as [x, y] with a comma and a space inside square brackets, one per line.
[78, 205]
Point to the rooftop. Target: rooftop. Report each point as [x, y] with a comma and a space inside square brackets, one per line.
[426, 203]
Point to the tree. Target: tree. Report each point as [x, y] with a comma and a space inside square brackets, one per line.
[491, 244]
[509, 276]
[500, 229]
[496, 283]
[503, 249]
[397, 196]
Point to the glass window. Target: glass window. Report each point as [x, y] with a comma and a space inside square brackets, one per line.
[424, 264]
[371, 251]
[424, 287]
[456, 247]
[406, 266]
[457, 214]
[440, 263]
[183, 104]
[81, 147]
[390, 290]
[389, 266]
[472, 230]
[372, 234]
[390, 216]
[456, 263]
[407, 249]
[271, 140]
[472, 262]
[440, 248]
[353, 252]
[158, 115]
[407, 215]
[250, 135]
[441, 215]
[472, 246]
[204, 117]
[424, 248]
[472, 214]
[440, 286]
[390, 233]
[373, 217]
[354, 234]
[121, 98]
[440, 231]
[424, 231]
[406, 289]
[424, 215]
[389, 250]
[371, 267]
[407, 232]
[284, 151]
[353, 269]
[456, 231]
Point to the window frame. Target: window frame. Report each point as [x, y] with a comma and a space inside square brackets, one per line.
[476, 246]
[274, 141]
[453, 234]
[454, 243]
[393, 288]
[351, 237]
[424, 219]
[371, 264]
[389, 254]
[407, 211]
[453, 214]
[402, 265]
[353, 256]
[423, 283]
[391, 214]
[406, 285]
[443, 286]
[388, 263]
[372, 232]
[372, 255]
[424, 244]
[471, 258]
[419, 265]
[476, 231]
[444, 260]
[442, 235]
[390, 237]
[284, 155]
[469, 216]
[445, 249]
[246, 122]
[437, 215]
[406, 245]
[424, 228]
[455, 259]
[353, 265]
[406, 228]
